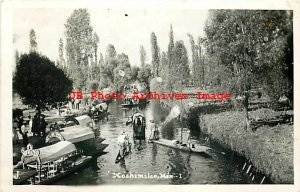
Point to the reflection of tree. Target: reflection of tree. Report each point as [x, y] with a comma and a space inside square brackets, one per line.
[154, 153]
[178, 168]
[167, 131]
[158, 112]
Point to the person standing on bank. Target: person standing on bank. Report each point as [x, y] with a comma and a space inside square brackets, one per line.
[154, 131]
[15, 130]
[35, 123]
[43, 125]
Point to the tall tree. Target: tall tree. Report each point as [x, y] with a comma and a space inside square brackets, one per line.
[61, 60]
[79, 45]
[170, 59]
[32, 41]
[155, 54]
[134, 73]
[142, 55]
[123, 64]
[251, 44]
[181, 64]
[95, 47]
[201, 66]
[17, 57]
[79, 37]
[144, 74]
[101, 60]
[196, 68]
[110, 63]
[39, 82]
[163, 67]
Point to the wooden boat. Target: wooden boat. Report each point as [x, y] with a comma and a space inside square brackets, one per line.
[130, 90]
[83, 135]
[193, 148]
[74, 134]
[100, 112]
[48, 164]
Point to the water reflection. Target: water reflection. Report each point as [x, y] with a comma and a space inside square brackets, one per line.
[154, 153]
[153, 159]
[178, 168]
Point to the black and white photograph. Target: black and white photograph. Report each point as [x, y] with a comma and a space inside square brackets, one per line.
[123, 96]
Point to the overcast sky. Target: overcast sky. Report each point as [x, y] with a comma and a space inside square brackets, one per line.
[126, 33]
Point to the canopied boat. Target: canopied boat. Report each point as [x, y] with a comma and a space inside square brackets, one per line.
[48, 164]
[129, 90]
[83, 135]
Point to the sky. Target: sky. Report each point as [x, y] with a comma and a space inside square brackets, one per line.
[126, 33]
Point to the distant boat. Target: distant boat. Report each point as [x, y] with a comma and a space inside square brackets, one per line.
[100, 112]
[132, 88]
[134, 104]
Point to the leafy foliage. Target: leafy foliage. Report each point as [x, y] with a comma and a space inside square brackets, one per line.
[155, 54]
[255, 48]
[80, 46]
[164, 66]
[250, 44]
[61, 61]
[32, 39]
[142, 55]
[181, 64]
[144, 74]
[197, 68]
[39, 82]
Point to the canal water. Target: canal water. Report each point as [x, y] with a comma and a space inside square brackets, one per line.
[153, 163]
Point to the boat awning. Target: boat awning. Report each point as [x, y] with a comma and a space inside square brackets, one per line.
[72, 134]
[51, 152]
[77, 133]
[84, 120]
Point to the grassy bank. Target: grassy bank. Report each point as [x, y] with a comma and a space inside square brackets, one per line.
[270, 149]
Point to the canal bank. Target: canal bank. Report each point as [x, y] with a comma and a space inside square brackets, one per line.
[269, 149]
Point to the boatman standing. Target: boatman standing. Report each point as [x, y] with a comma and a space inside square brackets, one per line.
[154, 131]
[123, 143]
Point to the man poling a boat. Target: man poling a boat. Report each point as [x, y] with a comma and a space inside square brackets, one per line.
[124, 146]
[138, 122]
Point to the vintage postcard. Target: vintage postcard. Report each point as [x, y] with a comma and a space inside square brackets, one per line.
[171, 95]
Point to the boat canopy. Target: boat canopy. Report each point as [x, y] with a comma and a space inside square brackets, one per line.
[84, 120]
[72, 134]
[49, 153]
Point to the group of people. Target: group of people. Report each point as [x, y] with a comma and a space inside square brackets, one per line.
[19, 128]
[75, 103]
[35, 125]
[38, 125]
